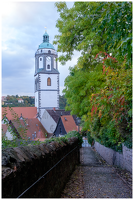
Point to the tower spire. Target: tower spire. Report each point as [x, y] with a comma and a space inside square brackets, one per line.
[46, 36]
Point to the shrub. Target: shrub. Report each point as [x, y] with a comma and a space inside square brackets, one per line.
[75, 134]
[90, 138]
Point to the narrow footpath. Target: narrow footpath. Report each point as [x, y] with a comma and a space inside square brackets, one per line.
[94, 178]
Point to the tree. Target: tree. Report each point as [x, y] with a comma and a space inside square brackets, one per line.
[91, 27]
[13, 100]
[99, 87]
[62, 101]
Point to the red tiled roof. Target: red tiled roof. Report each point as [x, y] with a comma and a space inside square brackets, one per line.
[55, 114]
[27, 112]
[69, 123]
[30, 126]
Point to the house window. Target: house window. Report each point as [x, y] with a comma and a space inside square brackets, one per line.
[49, 51]
[48, 66]
[41, 50]
[40, 59]
[60, 130]
[49, 82]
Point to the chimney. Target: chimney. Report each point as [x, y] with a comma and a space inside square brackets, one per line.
[65, 119]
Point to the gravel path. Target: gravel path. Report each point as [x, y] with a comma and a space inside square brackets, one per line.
[94, 178]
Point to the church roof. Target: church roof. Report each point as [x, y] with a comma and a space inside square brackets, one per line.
[46, 44]
[43, 70]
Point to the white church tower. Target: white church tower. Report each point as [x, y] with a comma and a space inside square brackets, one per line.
[46, 77]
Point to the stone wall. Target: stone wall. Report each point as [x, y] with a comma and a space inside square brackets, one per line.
[23, 166]
[123, 160]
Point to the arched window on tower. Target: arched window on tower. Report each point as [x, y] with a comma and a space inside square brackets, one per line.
[48, 66]
[40, 62]
[49, 81]
[48, 63]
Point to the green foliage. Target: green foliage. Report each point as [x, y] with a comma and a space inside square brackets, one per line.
[91, 27]
[57, 139]
[66, 137]
[62, 101]
[17, 142]
[75, 134]
[90, 138]
[129, 142]
[29, 101]
[21, 131]
[7, 143]
[13, 101]
[99, 87]
[21, 142]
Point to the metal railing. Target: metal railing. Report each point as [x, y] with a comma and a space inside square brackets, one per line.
[46, 173]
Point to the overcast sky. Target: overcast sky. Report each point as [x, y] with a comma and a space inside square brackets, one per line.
[23, 26]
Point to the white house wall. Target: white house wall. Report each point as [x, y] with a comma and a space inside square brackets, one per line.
[48, 122]
[9, 135]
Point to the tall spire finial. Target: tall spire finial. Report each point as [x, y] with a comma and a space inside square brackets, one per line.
[45, 29]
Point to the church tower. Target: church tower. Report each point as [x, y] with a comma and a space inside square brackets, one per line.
[46, 77]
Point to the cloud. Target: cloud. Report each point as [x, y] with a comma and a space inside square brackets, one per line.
[22, 32]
